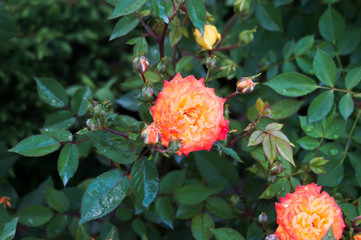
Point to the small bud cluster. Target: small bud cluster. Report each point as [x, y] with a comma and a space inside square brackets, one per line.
[140, 64]
[271, 237]
[211, 62]
[263, 218]
[276, 168]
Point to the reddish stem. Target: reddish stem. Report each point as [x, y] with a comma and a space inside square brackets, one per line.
[226, 48]
[229, 24]
[151, 33]
[232, 95]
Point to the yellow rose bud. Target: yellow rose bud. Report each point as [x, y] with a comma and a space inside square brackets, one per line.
[210, 37]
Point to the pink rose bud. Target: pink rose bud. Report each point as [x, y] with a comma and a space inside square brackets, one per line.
[140, 64]
[245, 85]
[151, 134]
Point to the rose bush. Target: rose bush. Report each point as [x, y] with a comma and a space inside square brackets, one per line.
[143, 153]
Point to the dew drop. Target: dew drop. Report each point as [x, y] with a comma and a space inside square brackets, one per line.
[334, 151]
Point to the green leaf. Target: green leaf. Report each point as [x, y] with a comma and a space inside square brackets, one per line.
[311, 129]
[346, 106]
[139, 227]
[57, 225]
[278, 188]
[62, 119]
[305, 63]
[214, 168]
[109, 145]
[292, 84]
[348, 42]
[124, 214]
[192, 194]
[269, 147]
[304, 45]
[172, 181]
[324, 68]
[256, 138]
[335, 129]
[36, 146]
[201, 226]
[159, 7]
[358, 173]
[320, 106]
[226, 233]
[103, 195]
[269, 16]
[188, 211]
[57, 200]
[285, 108]
[284, 149]
[82, 234]
[229, 151]
[7, 232]
[353, 78]
[271, 127]
[349, 210]
[288, 49]
[220, 208]
[145, 181]
[308, 143]
[61, 135]
[79, 102]
[331, 25]
[197, 13]
[165, 211]
[124, 26]
[68, 162]
[125, 7]
[329, 235]
[175, 35]
[51, 92]
[333, 175]
[7, 28]
[34, 216]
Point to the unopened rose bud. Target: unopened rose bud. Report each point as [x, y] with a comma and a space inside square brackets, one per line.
[272, 179]
[245, 86]
[246, 36]
[151, 134]
[242, 7]
[277, 168]
[271, 237]
[162, 66]
[211, 62]
[140, 64]
[209, 38]
[147, 92]
[262, 218]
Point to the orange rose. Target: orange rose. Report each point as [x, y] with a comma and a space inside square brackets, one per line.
[357, 237]
[189, 111]
[308, 214]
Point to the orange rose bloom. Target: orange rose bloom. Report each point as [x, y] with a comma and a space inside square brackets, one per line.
[308, 214]
[357, 237]
[191, 112]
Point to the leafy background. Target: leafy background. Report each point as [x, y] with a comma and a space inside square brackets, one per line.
[309, 54]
